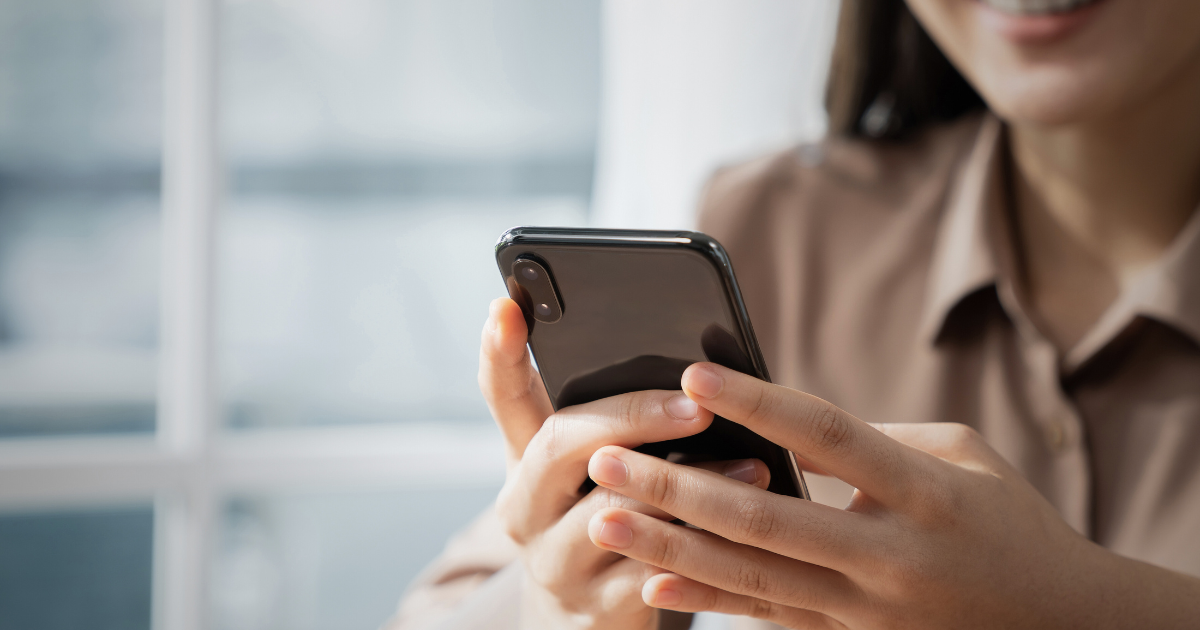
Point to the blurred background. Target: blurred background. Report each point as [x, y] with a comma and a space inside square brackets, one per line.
[246, 252]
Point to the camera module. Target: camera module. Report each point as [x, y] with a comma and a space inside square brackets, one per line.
[533, 288]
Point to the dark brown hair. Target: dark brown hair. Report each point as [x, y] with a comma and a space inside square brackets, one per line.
[888, 79]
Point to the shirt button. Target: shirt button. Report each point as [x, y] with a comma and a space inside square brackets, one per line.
[1056, 437]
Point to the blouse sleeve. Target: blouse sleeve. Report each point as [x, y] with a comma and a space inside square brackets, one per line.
[470, 574]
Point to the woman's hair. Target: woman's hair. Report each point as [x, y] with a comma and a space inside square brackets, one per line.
[887, 77]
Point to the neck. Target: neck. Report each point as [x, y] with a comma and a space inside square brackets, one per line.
[1096, 203]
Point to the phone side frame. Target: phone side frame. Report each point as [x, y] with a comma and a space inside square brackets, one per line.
[698, 242]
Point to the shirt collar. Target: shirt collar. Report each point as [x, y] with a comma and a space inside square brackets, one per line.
[964, 260]
[974, 250]
[1175, 297]
[1168, 292]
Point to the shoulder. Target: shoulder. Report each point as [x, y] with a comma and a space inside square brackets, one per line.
[825, 236]
[847, 178]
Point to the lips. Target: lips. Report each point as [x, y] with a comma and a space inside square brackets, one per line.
[1039, 23]
[1036, 7]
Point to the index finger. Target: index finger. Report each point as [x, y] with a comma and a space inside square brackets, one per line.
[814, 429]
[748, 515]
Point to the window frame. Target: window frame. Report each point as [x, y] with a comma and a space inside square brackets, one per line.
[189, 465]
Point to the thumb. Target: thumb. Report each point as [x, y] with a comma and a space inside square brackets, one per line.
[512, 388]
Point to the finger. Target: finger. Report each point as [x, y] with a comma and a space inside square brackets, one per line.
[512, 388]
[676, 592]
[564, 554]
[546, 482]
[614, 593]
[618, 588]
[816, 430]
[806, 466]
[785, 525]
[720, 563]
[748, 471]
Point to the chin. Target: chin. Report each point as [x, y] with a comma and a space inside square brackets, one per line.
[1049, 99]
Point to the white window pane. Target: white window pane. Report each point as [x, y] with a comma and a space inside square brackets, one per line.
[80, 101]
[361, 310]
[376, 150]
[66, 570]
[333, 561]
[369, 80]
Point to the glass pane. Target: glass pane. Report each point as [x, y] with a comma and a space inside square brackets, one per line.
[330, 562]
[77, 569]
[80, 92]
[377, 149]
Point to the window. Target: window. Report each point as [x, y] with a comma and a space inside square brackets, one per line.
[245, 253]
[375, 152]
[80, 128]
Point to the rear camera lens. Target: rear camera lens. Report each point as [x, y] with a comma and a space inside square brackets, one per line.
[543, 309]
[529, 272]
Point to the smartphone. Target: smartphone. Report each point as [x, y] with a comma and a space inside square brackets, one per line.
[617, 311]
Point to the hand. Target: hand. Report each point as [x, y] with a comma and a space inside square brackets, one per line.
[571, 583]
[941, 531]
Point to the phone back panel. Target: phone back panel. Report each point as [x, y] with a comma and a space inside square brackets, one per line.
[638, 308]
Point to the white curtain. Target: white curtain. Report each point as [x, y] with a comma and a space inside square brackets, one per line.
[690, 85]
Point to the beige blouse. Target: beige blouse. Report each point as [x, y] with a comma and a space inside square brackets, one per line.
[881, 278]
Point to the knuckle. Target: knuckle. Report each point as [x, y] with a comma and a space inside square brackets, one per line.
[667, 552]
[761, 406]
[961, 434]
[755, 522]
[749, 579]
[549, 442]
[829, 429]
[626, 413]
[762, 609]
[663, 487]
[516, 531]
[512, 526]
[964, 438]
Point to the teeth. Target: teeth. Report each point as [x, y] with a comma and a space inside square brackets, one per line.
[1036, 7]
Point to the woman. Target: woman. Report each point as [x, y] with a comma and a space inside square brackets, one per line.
[1003, 270]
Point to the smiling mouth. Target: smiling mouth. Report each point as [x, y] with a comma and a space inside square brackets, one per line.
[1037, 7]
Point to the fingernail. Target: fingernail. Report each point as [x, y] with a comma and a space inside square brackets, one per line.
[682, 407]
[614, 534]
[609, 470]
[744, 471]
[667, 597]
[703, 381]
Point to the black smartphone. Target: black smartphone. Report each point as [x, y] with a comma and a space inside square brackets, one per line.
[617, 311]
